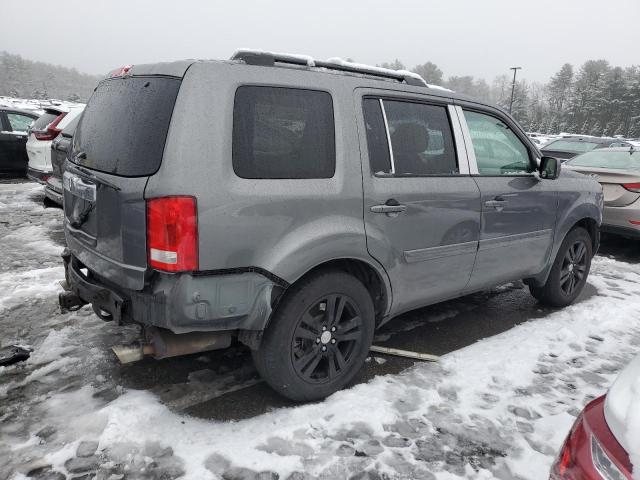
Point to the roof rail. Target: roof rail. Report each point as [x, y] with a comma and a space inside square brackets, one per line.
[263, 58]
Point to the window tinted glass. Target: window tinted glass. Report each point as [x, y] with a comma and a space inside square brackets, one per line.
[602, 158]
[44, 120]
[498, 150]
[377, 143]
[124, 126]
[19, 123]
[575, 147]
[421, 139]
[283, 133]
[71, 127]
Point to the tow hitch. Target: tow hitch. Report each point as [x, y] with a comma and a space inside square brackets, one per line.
[69, 301]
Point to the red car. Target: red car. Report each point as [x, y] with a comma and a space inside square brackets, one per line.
[598, 444]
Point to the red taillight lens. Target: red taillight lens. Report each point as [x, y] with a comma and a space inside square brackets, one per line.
[118, 72]
[52, 130]
[632, 187]
[172, 233]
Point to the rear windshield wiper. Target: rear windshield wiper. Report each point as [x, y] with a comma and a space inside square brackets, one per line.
[96, 179]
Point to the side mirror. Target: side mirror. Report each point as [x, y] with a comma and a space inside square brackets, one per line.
[549, 168]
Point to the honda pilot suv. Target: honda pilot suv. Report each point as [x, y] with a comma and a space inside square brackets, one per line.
[296, 205]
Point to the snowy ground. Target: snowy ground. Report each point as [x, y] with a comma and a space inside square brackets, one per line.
[497, 408]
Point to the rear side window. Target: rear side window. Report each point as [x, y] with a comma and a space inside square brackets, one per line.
[420, 136]
[283, 133]
[19, 123]
[377, 141]
[44, 120]
[124, 126]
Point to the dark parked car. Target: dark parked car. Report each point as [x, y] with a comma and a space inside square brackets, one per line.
[568, 147]
[14, 124]
[299, 205]
[59, 149]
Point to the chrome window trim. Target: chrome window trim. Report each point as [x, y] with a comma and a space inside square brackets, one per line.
[386, 128]
[464, 166]
[468, 144]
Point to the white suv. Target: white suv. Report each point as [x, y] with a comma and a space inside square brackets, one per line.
[43, 131]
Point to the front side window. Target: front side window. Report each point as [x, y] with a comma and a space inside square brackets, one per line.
[498, 150]
[19, 123]
[283, 133]
[420, 137]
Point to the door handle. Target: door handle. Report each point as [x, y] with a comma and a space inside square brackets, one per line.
[498, 203]
[390, 207]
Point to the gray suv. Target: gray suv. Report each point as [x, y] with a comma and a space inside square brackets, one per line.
[296, 205]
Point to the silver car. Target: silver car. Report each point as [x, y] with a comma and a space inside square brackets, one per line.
[618, 171]
[297, 205]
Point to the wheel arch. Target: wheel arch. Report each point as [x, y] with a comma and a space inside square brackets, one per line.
[374, 278]
[588, 218]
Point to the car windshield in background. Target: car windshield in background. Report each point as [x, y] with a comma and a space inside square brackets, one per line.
[567, 146]
[124, 126]
[624, 160]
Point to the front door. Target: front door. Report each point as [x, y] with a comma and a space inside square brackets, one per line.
[421, 206]
[13, 139]
[518, 207]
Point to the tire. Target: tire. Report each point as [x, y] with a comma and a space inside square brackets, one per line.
[299, 359]
[569, 271]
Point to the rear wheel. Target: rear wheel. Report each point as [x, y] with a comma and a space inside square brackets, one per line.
[569, 271]
[318, 338]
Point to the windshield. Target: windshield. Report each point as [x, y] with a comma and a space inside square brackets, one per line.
[607, 159]
[569, 146]
[124, 126]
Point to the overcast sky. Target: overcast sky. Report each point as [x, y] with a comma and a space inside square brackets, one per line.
[463, 37]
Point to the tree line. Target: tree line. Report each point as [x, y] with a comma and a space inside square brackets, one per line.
[595, 99]
[24, 78]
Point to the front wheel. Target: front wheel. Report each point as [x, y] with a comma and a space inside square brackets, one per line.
[569, 272]
[319, 337]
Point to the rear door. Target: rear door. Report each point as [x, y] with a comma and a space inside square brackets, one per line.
[518, 207]
[421, 207]
[118, 144]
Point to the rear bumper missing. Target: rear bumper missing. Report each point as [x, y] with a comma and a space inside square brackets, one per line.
[181, 303]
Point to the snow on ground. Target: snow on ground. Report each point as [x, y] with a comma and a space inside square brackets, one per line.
[499, 408]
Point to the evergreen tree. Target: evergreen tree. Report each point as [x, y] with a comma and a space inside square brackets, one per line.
[430, 72]
[395, 65]
[596, 129]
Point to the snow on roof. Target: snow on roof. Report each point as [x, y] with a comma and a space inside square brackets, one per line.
[311, 62]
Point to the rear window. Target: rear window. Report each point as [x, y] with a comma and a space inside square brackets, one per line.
[73, 124]
[283, 133]
[124, 126]
[44, 120]
[607, 159]
[575, 147]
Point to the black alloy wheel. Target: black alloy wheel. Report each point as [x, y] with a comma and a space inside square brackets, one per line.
[326, 338]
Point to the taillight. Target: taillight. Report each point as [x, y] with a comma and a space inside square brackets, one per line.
[632, 187]
[172, 233]
[52, 130]
[118, 72]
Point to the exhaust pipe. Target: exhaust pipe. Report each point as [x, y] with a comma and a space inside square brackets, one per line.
[161, 343]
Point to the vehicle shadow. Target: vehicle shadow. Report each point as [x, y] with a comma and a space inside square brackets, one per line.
[620, 248]
[437, 329]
